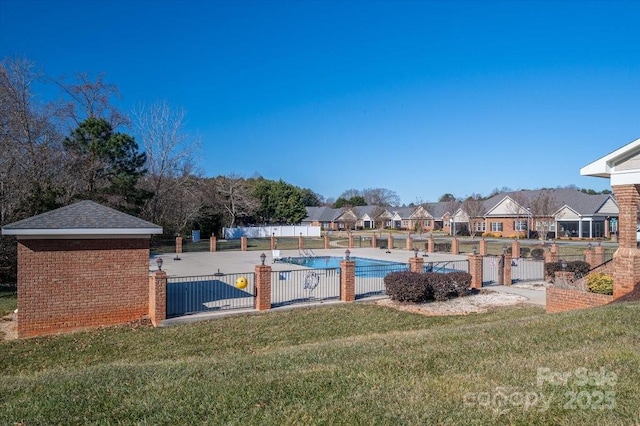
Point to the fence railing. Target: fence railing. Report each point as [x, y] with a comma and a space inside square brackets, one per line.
[190, 295]
[447, 266]
[370, 278]
[304, 286]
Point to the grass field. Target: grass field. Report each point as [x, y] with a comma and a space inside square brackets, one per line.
[346, 364]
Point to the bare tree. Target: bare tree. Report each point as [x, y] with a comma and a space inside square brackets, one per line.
[380, 217]
[473, 206]
[235, 195]
[380, 197]
[543, 206]
[453, 205]
[171, 166]
[86, 98]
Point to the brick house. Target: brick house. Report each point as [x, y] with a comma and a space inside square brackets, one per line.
[83, 265]
[567, 213]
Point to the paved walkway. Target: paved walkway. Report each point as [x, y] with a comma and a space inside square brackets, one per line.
[535, 296]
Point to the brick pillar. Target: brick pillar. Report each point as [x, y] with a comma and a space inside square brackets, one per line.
[626, 260]
[475, 269]
[327, 243]
[213, 244]
[243, 243]
[589, 257]
[416, 264]
[551, 256]
[390, 242]
[515, 249]
[455, 246]
[598, 255]
[350, 240]
[300, 242]
[157, 297]
[347, 280]
[431, 244]
[178, 245]
[273, 242]
[263, 287]
[409, 243]
[507, 269]
[483, 247]
[374, 241]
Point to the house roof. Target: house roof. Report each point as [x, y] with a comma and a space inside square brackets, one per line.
[82, 218]
[622, 166]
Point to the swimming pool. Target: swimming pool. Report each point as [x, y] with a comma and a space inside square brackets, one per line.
[320, 262]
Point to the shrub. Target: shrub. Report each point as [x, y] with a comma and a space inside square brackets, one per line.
[537, 253]
[599, 282]
[578, 267]
[442, 247]
[524, 251]
[419, 288]
[407, 287]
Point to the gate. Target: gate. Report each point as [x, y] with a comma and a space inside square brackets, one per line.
[521, 270]
[304, 286]
[190, 295]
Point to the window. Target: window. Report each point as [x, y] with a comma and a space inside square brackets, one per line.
[496, 226]
[480, 226]
[520, 225]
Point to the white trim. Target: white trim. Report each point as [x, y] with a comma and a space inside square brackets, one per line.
[630, 177]
[603, 166]
[83, 237]
[78, 232]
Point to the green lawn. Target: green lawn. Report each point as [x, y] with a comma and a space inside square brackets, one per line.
[345, 364]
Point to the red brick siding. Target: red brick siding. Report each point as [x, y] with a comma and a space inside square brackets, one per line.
[562, 299]
[65, 285]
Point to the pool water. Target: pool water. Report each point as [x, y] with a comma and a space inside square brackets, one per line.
[320, 262]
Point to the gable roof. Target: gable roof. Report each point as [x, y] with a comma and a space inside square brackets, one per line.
[622, 166]
[82, 218]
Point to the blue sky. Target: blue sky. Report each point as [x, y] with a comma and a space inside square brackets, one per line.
[419, 97]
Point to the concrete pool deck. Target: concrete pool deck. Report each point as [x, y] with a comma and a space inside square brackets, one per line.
[229, 262]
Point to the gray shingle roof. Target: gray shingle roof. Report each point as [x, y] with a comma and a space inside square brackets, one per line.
[82, 218]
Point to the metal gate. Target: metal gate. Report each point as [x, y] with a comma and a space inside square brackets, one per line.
[190, 295]
[521, 270]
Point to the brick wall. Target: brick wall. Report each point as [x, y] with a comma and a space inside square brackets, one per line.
[65, 285]
[562, 299]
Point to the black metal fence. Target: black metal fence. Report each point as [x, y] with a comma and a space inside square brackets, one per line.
[444, 267]
[304, 286]
[370, 278]
[190, 295]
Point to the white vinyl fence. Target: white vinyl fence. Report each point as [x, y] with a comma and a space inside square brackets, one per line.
[268, 231]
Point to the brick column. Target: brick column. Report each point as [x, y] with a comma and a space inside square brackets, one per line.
[327, 242]
[507, 269]
[213, 244]
[350, 240]
[390, 242]
[598, 256]
[178, 245]
[263, 287]
[515, 249]
[347, 280]
[475, 269]
[243, 243]
[431, 244]
[626, 260]
[416, 264]
[273, 242]
[157, 297]
[409, 243]
[483, 247]
[374, 241]
[551, 256]
[300, 242]
[589, 257]
[455, 246]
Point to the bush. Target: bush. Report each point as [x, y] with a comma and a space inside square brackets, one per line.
[419, 288]
[578, 267]
[537, 253]
[407, 287]
[599, 282]
[524, 251]
[442, 247]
